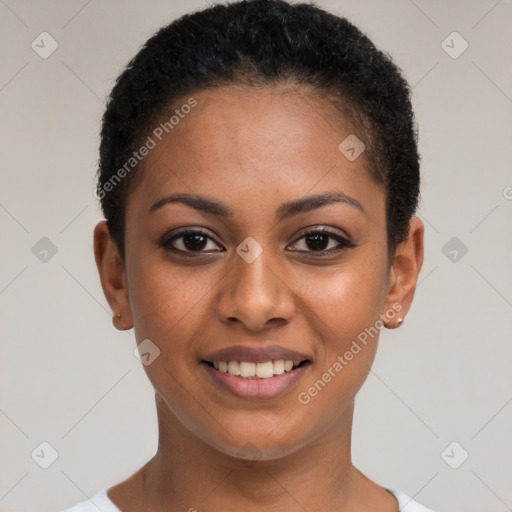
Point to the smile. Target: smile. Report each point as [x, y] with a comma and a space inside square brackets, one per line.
[256, 381]
[250, 370]
[256, 371]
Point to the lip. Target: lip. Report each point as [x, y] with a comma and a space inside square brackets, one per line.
[255, 354]
[256, 388]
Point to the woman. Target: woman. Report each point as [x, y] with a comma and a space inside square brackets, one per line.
[259, 176]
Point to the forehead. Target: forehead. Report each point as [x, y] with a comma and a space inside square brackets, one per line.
[258, 142]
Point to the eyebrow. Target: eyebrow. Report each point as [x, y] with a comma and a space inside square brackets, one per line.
[209, 206]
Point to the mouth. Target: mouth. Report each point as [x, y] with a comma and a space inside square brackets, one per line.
[251, 370]
[256, 372]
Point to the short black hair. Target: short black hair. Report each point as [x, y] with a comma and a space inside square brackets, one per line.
[263, 43]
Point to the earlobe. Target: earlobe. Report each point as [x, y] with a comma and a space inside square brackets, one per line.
[111, 271]
[404, 272]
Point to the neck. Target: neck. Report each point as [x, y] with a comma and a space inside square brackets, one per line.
[191, 474]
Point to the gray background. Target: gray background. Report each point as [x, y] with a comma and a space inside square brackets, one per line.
[70, 379]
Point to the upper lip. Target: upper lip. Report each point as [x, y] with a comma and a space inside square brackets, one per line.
[255, 354]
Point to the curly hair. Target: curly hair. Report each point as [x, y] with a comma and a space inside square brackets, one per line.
[264, 43]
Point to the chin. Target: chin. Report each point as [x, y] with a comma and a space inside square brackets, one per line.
[257, 445]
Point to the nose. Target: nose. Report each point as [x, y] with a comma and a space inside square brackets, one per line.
[255, 295]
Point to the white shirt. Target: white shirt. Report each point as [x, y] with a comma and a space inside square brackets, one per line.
[102, 502]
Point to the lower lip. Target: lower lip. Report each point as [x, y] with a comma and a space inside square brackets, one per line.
[258, 389]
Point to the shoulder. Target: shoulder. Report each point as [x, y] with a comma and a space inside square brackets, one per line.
[407, 504]
[99, 501]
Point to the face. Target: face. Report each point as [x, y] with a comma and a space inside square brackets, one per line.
[252, 238]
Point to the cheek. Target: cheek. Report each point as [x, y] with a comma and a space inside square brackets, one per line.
[344, 312]
[166, 300]
[348, 301]
[168, 308]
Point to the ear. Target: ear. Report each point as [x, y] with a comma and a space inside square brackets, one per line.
[403, 275]
[113, 281]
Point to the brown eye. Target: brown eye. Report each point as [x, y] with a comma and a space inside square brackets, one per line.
[193, 241]
[189, 241]
[321, 241]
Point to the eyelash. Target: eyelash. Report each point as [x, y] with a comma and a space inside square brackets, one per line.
[166, 242]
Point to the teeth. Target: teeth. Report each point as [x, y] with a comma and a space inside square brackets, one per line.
[246, 369]
[278, 367]
[234, 368]
[265, 370]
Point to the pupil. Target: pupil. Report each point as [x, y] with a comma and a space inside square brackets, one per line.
[319, 241]
[197, 241]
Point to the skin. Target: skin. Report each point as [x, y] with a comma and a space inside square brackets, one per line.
[253, 150]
